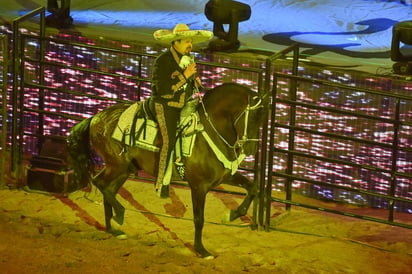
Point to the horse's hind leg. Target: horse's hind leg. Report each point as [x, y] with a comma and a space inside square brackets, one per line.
[239, 180]
[108, 213]
[109, 182]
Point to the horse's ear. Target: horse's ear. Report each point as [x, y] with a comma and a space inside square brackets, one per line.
[261, 101]
[265, 98]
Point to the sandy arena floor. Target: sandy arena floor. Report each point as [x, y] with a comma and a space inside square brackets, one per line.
[48, 234]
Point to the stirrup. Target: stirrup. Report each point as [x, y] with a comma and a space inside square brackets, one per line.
[164, 191]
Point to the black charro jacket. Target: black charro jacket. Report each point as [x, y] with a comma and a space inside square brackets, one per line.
[169, 85]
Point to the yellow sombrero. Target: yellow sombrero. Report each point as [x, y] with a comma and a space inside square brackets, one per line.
[182, 31]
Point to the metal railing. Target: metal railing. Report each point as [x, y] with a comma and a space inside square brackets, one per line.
[16, 102]
[4, 63]
[263, 199]
[291, 153]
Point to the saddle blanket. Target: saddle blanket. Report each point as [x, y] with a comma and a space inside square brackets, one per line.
[140, 132]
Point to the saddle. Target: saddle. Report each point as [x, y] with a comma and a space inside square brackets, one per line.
[137, 127]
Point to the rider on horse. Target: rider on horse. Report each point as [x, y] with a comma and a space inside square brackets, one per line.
[174, 82]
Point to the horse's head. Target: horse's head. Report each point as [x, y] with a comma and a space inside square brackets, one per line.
[236, 113]
[248, 124]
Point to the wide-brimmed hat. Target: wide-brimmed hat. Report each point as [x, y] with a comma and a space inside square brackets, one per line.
[182, 31]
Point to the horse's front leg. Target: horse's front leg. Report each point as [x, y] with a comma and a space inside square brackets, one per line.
[239, 180]
[198, 203]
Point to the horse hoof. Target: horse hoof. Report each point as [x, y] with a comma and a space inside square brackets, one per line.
[164, 192]
[204, 254]
[121, 237]
[118, 234]
[209, 257]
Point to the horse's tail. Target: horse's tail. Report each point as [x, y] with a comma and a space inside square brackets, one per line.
[80, 154]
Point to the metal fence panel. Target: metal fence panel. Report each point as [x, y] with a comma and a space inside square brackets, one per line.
[4, 65]
[340, 141]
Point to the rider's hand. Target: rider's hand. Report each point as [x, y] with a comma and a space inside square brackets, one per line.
[190, 70]
[198, 82]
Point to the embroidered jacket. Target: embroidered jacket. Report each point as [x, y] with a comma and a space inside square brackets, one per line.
[169, 84]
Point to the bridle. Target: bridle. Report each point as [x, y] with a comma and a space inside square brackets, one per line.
[239, 143]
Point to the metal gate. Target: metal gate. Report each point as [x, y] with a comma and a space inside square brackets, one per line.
[339, 142]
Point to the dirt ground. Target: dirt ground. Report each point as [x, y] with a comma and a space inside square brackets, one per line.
[42, 233]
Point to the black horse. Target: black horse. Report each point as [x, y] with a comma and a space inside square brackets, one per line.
[231, 115]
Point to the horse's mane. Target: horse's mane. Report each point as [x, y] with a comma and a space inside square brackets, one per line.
[226, 89]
